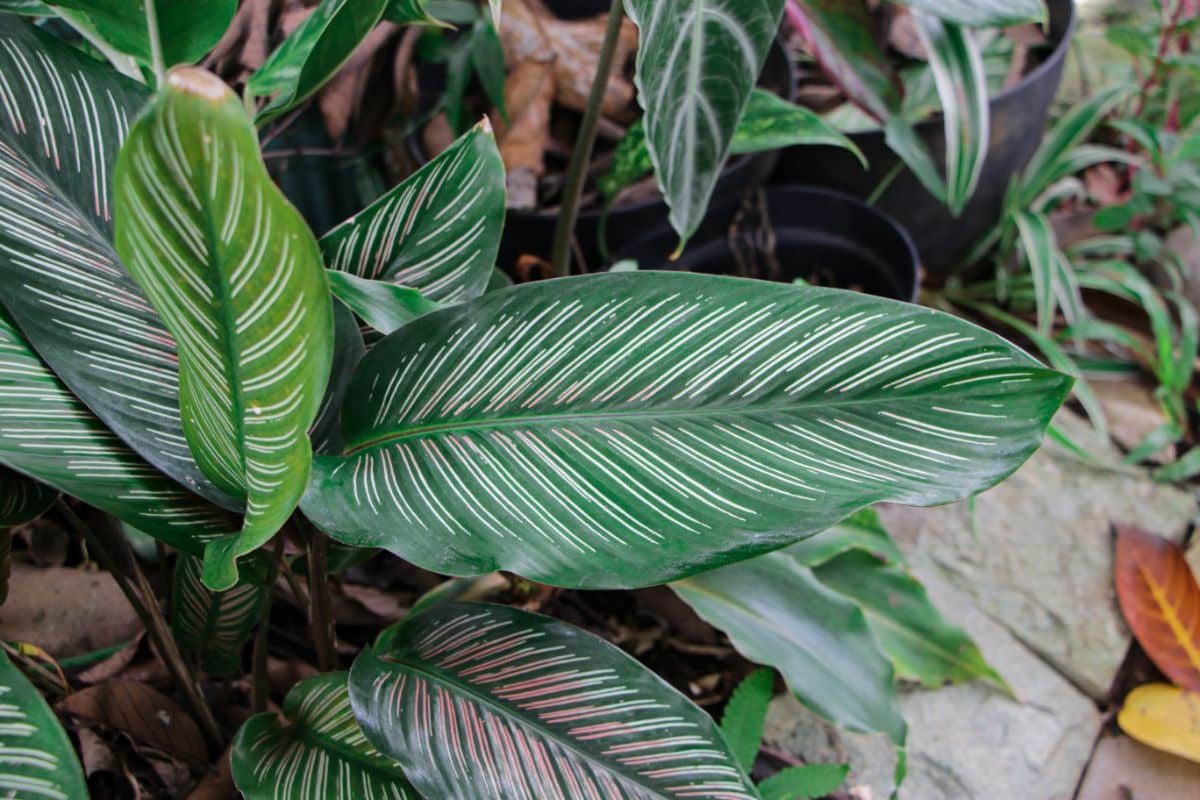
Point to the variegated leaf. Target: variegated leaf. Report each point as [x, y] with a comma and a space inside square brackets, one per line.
[348, 350]
[982, 13]
[384, 306]
[697, 62]
[236, 275]
[484, 701]
[315, 752]
[22, 499]
[437, 232]
[215, 625]
[47, 433]
[38, 759]
[62, 118]
[627, 429]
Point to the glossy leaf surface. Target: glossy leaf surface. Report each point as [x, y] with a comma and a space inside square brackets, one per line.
[861, 531]
[214, 625]
[39, 761]
[483, 701]
[438, 231]
[187, 30]
[1161, 602]
[22, 499]
[236, 275]
[348, 350]
[697, 63]
[384, 306]
[314, 752]
[1165, 717]
[630, 428]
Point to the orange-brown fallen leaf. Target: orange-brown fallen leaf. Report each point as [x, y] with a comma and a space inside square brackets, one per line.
[1161, 602]
[528, 96]
[1165, 717]
[148, 717]
[342, 97]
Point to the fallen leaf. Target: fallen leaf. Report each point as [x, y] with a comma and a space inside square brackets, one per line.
[217, 785]
[528, 95]
[114, 665]
[1105, 185]
[1165, 717]
[342, 98]
[66, 611]
[94, 753]
[145, 715]
[903, 35]
[1161, 602]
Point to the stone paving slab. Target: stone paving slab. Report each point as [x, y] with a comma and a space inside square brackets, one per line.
[968, 742]
[1123, 768]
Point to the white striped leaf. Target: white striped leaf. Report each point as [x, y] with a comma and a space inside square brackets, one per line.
[45, 432]
[62, 118]
[438, 231]
[482, 701]
[36, 757]
[982, 13]
[316, 752]
[215, 625]
[697, 62]
[384, 306]
[22, 499]
[236, 275]
[627, 429]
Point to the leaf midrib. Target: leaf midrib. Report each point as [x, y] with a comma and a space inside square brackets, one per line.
[304, 730]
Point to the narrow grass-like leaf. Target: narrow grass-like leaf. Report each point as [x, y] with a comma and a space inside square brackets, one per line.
[903, 139]
[315, 752]
[186, 30]
[384, 306]
[697, 62]
[1039, 246]
[39, 761]
[808, 782]
[982, 13]
[62, 117]
[215, 625]
[22, 499]
[746, 714]
[237, 277]
[631, 428]
[527, 706]
[438, 231]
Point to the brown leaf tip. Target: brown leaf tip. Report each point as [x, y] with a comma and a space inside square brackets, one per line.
[198, 82]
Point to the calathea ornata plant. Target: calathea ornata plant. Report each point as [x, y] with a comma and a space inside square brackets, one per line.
[176, 344]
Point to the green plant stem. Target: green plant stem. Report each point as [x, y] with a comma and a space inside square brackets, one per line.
[141, 597]
[320, 603]
[156, 52]
[560, 255]
[259, 686]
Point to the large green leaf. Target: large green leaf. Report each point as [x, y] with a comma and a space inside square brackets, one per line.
[348, 350]
[22, 499]
[437, 232]
[187, 30]
[45, 432]
[862, 531]
[313, 53]
[236, 275]
[62, 118]
[776, 612]
[39, 761]
[483, 701]
[316, 752]
[384, 306]
[215, 625]
[982, 13]
[628, 429]
[697, 62]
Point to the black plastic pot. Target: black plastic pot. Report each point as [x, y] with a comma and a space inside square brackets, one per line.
[1018, 120]
[787, 232]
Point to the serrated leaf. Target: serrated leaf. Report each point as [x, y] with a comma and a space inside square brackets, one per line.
[628, 429]
[22, 499]
[438, 231]
[922, 645]
[236, 275]
[528, 706]
[39, 759]
[1165, 717]
[697, 63]
[861, 531]
[316, 751]
[214, 625]
[808, 782]
[187, 31]
[48, 434]
[348, 349]
[746, 714]
[384, 306]
[982, 13]
[312, 54]
[62, 118]
[776, 612]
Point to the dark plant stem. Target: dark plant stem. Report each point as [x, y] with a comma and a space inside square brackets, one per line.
[259, 685]
[320, 603]
[585, 143]
[133, 584]
[1166, 36]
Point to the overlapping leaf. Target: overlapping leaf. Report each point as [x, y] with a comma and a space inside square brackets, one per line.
[186, 30]
[47, 433]
[697, 62]
[348, 350]
[22, 499]
[62, 117]
[384, 306]
[214, 625]
[983, 13]
[481, 701]
[437, 232]
[631, 428]
[236, 275]
[316, 751]
[1161, 602]
[39, 761]
[861, 531]
[1164, 717]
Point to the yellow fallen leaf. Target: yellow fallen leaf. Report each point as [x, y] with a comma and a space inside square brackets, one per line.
[1165, 717]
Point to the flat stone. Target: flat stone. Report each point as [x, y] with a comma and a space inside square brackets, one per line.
[1036, 553]
[966, 742]
[1132, 412]
[66, 612]
[1123, 768]
[1184, 243]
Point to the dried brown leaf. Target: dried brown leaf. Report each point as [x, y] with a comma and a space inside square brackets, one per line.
[95, 754]
[342, 97]
[114, 665]
[148, 717]
[218, 784]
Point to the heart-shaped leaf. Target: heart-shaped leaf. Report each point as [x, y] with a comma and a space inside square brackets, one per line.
[1165, 717]
[384, 306]
[316, 751]
[1161, 602]
[22, 499]
[39, 760]
[628, 429]
[62, 117]
[983, 13]
[186, 30]
[215, 625]
[697, 63]
[438, 231]
[237, 277]
[45, 432]
[489, 701]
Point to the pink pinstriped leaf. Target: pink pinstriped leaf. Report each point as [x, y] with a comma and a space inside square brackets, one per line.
[483, 701]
